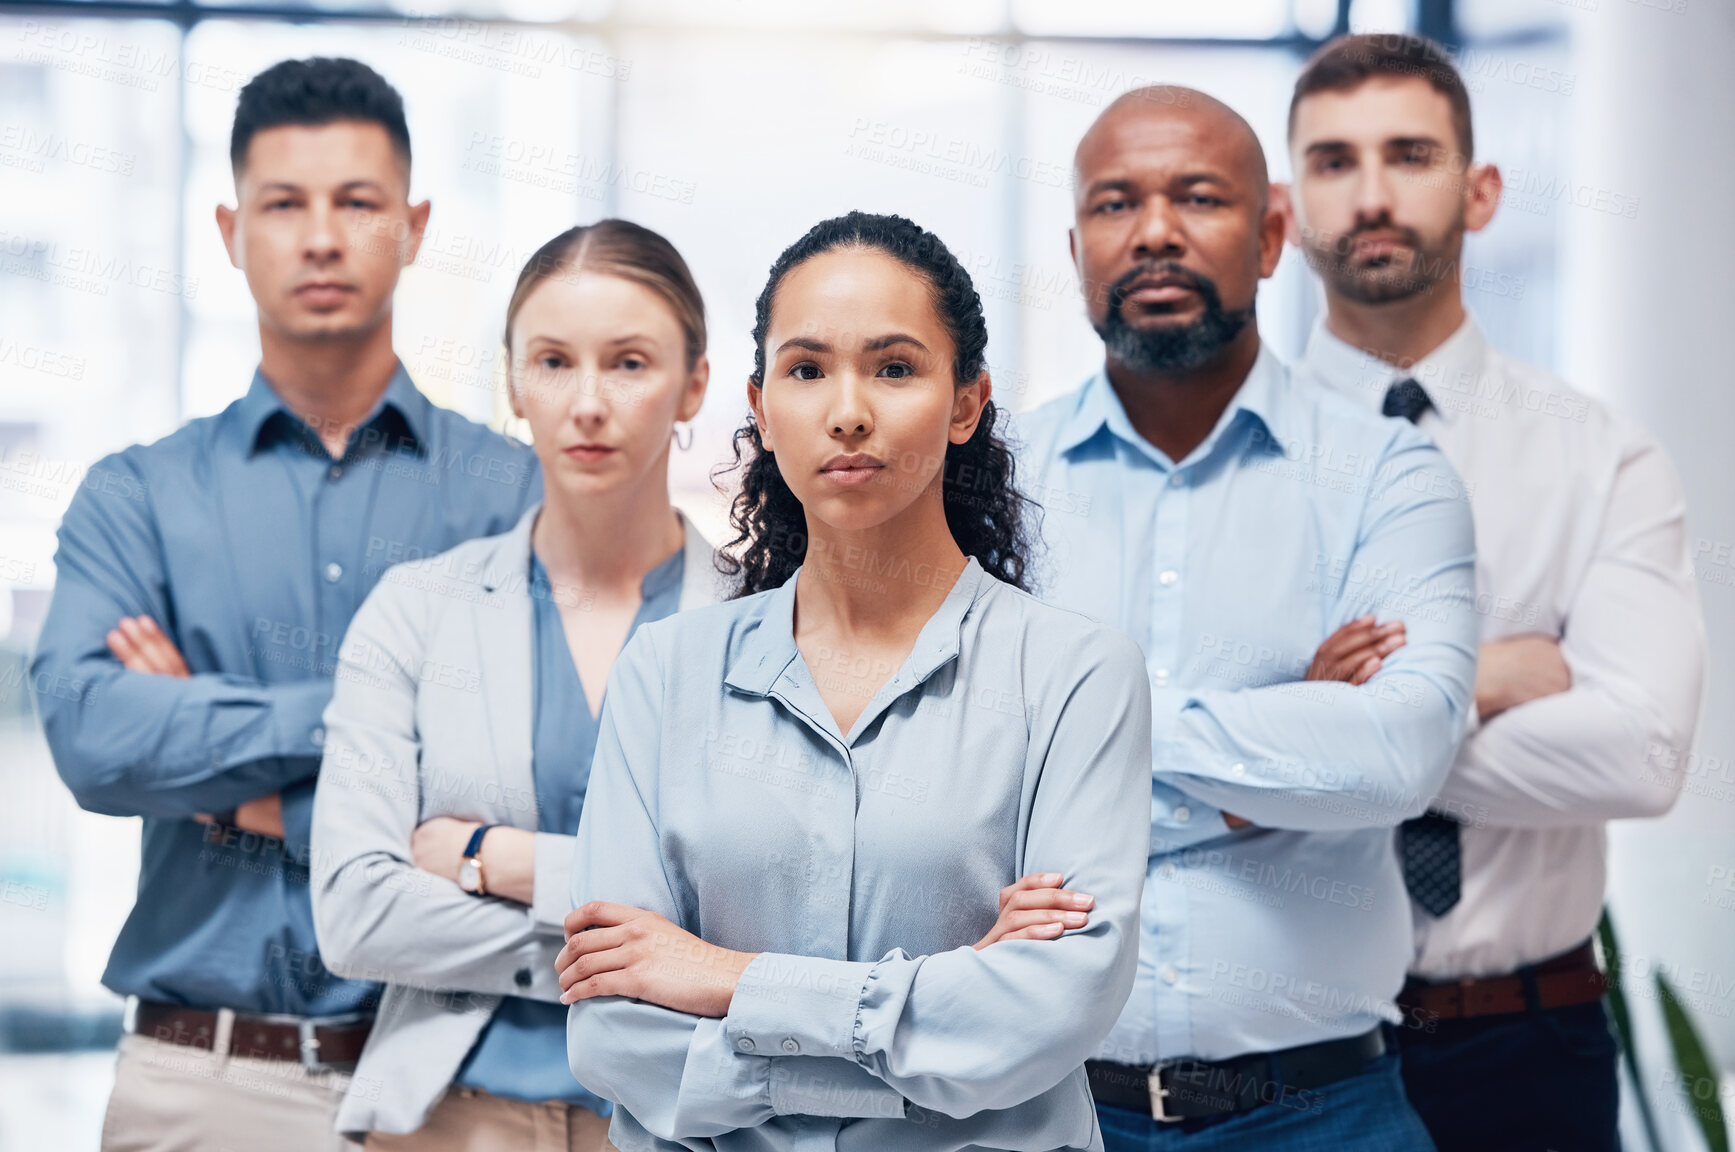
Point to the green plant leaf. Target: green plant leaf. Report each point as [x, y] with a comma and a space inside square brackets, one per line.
[1697, 1072]
[1623, 1022]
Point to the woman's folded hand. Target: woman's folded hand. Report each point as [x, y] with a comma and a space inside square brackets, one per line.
[1037, 908]
[616, 950]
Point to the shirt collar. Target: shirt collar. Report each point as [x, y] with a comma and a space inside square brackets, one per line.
[769, 646]
[1266, 396]
[402, 412]
[1451, 367]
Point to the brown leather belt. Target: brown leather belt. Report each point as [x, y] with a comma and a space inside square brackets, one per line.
[318, 1043]
[1567, 980]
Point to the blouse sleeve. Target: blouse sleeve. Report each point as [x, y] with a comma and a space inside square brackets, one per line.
[968, 1030]
[678, 1075]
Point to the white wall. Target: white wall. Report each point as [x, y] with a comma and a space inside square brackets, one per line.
[1648, 315]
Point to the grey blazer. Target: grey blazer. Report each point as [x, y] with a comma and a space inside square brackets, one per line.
[431, 716]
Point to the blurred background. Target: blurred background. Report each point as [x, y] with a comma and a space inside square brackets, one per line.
[730, 126]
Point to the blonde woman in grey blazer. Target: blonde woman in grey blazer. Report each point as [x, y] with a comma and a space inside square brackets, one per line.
[459, 738]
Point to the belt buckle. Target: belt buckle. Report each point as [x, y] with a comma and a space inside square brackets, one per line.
[309, 1043]
[1155, 1083]
[306, 1026]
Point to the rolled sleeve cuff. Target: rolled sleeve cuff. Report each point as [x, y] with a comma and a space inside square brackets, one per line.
[551, 884]
[797, 1006]
[297, 716]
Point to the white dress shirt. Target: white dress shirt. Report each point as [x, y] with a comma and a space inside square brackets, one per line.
[1580, 536]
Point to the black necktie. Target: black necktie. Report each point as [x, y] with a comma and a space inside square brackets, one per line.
[1433, 857]
[1433, 861]
[1406, 398]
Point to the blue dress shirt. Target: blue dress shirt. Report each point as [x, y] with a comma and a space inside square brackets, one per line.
[522, 1052]
[252, 548]
[1300, 512]
[861, 866]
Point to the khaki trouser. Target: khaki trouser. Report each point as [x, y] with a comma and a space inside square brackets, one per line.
[172, 1098]
[470, 1120]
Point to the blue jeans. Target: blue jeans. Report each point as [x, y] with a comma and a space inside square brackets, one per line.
[1521, 1083]
[1365, 1113]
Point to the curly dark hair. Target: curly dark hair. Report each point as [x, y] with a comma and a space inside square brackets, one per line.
[984, 509]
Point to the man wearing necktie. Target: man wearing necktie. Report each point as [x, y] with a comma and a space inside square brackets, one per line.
[1593, 649]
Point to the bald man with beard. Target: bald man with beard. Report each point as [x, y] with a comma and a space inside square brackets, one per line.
[1260, 540]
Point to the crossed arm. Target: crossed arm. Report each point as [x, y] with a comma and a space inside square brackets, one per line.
[437, 845]
[139, 644]
[1511, 671]
[695, 1040]
[1595, 725]
[636, 953]
[134, 731]
[385, 902]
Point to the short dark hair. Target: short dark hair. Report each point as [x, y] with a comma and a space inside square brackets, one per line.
[318, 90]
[1351, 61]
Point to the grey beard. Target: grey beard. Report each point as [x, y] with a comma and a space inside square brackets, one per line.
[1172, 349]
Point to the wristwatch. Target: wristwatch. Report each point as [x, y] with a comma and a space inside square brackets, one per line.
[470, 868]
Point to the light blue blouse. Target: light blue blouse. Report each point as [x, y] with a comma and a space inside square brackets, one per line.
[1015, 738]
[519, 1054]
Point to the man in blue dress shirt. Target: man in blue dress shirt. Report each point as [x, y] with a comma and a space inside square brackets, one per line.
[1298, 572]
[203, 584]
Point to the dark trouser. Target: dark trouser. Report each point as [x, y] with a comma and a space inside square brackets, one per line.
[1365, 1113]
[1528, 1082]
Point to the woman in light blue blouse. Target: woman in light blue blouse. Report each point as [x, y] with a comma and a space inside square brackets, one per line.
[798, 922]
[459, 739]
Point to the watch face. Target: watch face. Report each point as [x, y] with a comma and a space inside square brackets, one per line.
[470, 875]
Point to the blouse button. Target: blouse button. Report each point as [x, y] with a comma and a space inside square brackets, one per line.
[745, 1043]
[790, 1046]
